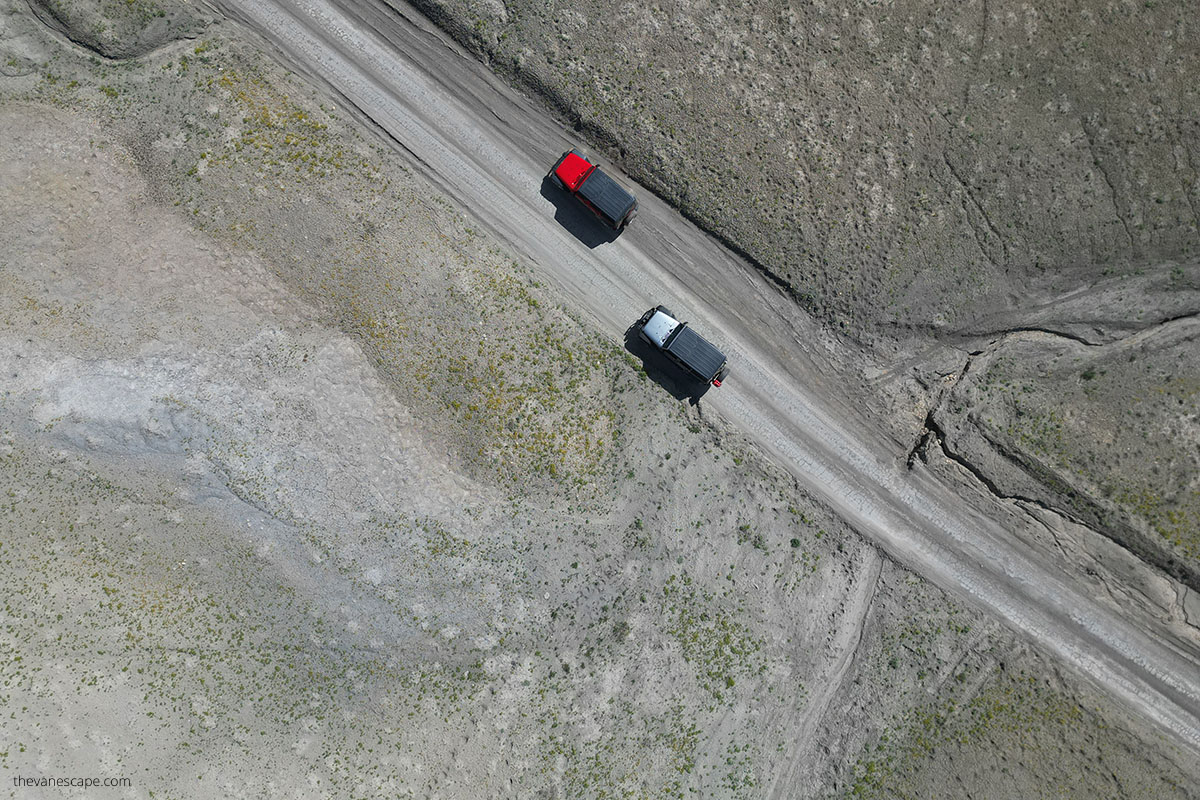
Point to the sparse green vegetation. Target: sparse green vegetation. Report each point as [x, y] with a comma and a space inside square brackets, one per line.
[718, 646]
[972, 737]
[869, 228]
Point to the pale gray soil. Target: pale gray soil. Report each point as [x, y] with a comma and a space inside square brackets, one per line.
[488, 148]
[271, 531]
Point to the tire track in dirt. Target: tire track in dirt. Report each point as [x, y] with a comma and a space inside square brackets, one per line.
[845, 642]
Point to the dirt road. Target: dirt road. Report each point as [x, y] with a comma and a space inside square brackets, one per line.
[489, 148]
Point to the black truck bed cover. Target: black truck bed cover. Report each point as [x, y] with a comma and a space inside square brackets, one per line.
[695, 351]
[606, 195]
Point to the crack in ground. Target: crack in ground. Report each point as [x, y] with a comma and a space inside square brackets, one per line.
[982, 213]
[933, 433]
[1123, 533]
[997, 336]
[1112, 190]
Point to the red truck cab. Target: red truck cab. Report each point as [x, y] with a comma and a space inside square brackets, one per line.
[572, 170]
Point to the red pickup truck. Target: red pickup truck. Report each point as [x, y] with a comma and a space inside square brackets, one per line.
[606, 198]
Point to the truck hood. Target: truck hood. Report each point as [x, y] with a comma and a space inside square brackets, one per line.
[659, 327]
[572, 169]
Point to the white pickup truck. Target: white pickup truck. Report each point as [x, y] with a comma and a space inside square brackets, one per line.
[691, 351]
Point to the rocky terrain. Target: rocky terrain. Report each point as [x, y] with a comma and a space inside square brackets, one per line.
[311, 489]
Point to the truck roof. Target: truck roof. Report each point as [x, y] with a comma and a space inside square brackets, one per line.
[697, 352]
[607, 196]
